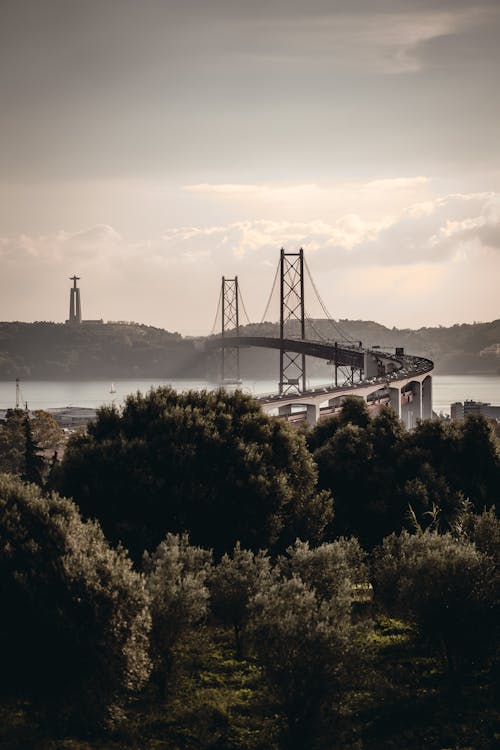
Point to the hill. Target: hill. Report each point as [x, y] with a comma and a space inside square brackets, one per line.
[54, 351]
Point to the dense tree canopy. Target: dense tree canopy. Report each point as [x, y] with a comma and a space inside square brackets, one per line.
[210, 463]
[75, 620]
[24, 436]
[384, 477]
[176, 577]
[447, 587]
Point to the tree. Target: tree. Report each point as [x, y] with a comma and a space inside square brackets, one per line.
[12, 442]
[354, 411]
[233, 583]
[479, 463]
[23, 437]
[209, 463]
[176, 583]
[309, 651]
[333, 570]
[447, 588]
[33, 462]
[484, 531]
[344, 465]
[46, 432]
[75, 619]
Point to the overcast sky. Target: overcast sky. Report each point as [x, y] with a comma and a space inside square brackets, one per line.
[152, 146]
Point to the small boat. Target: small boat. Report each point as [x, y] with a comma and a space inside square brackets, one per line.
[112, 389]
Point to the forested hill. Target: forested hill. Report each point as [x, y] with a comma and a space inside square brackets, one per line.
[455, 350]
[54, 351]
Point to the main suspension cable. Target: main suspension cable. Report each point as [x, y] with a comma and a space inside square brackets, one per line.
[243, 306]
[217, 313]
[271, 294]
[323, 306]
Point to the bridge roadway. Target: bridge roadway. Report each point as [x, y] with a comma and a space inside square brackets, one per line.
[400, 381]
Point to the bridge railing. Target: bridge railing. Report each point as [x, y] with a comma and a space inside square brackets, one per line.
[411, 366]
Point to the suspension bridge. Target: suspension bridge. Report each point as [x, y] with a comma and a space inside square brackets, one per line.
[380, 378]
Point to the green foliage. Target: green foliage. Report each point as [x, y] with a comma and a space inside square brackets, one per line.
[333, 569]
[176, 583]
[233, 582]
[354, 411]
[384, 478]
[33, 462]
[23, 436]
[447, 588]
[309, 651]
[50, 351]
[46, 432]
[12, 442]
[75, 620]
[209, 463]
[484, 531]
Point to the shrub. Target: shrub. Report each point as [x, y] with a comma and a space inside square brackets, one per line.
[233, 582]
[309, 651]
[447, 588]
[75, 618]
[176, 582]
[333, 569]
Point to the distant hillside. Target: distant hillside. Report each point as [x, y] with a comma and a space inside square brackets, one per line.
[454, 350]
[54, 351]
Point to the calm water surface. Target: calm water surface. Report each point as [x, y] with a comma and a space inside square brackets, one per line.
[93, 393]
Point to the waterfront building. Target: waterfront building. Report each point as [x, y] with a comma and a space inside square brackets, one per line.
[461, 410]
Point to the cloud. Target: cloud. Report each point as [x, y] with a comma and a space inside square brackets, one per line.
[173, 279]
[309, 200]
[373, 40]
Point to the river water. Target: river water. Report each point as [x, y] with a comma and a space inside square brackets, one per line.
[94, 393]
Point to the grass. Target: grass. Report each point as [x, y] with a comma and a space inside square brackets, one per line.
[220, 703]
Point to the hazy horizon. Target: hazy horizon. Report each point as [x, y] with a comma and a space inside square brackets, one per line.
[152, 147]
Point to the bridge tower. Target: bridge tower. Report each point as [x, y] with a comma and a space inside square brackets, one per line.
[230, 357]
[292, 317]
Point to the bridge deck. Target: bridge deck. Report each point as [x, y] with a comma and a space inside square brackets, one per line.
[344, 356]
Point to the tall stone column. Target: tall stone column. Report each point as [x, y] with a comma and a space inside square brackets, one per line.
[75, 309]
[395, 400]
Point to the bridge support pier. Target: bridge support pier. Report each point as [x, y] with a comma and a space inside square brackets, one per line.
[411, 404]
[427, 397]
[395, 400]
[312, 413]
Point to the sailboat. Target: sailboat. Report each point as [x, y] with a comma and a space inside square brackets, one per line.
[112, 389]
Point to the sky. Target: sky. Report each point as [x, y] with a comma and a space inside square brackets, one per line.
[153, 146]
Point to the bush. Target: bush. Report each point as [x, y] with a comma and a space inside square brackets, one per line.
[447, 588]
[176, 576]
[309, 651]
[233, 582]
[334, 570]
[75, 618]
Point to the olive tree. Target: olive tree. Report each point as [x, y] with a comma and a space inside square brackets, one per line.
[309, 651]
[447, 588]
[233, 582]
[176, 583]
[333, 569]
[75, 617]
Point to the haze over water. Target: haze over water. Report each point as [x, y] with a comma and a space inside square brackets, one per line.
[94, 393]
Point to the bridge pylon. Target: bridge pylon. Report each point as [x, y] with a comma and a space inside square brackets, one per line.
[230, 356]
[292, 317]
